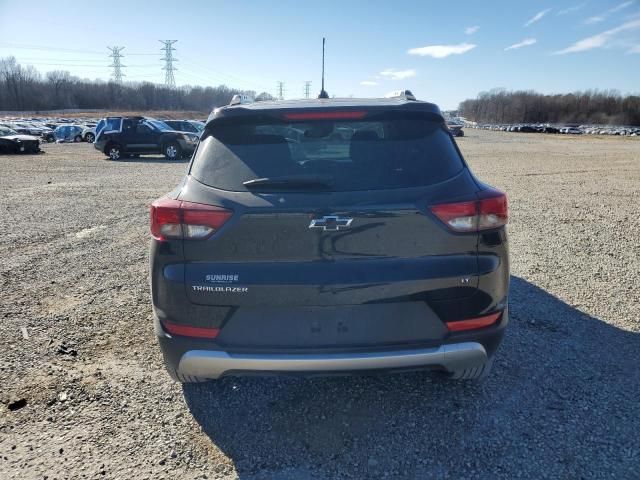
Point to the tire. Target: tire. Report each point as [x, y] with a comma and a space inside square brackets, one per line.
[77, 139]
[114, 151]
[477, 374]
[50, 138]
[89, 137]
[172, 151]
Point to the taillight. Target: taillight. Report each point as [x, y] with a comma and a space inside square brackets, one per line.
[473, 323]
[490, 211]
[177, 219]
[188, 331]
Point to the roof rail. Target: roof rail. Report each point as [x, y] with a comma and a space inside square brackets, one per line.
[406, 94]
[239, 99]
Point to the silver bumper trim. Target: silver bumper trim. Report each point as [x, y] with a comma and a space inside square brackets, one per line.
[215, 364]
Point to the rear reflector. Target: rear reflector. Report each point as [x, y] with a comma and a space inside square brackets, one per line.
[186, 331]
[473, 323]
[490, 211]
[348, 115]
[177, 219]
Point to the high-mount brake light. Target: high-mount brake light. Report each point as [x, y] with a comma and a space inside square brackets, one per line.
[490, 211]
[177, 219]
[335, 115]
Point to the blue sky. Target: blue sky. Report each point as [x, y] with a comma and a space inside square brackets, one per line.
[443, 51]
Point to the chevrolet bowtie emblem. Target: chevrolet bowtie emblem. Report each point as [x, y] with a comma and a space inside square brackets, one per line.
[331, 223]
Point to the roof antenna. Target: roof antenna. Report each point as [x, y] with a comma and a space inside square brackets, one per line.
[323, 93]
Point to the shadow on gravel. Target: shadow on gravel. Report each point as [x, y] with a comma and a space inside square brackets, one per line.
[562, 402]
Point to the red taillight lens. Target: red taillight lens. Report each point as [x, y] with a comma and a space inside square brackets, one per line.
[340, 115]
[176, 219]
[473, 323]
[187, 331]
[488, 212]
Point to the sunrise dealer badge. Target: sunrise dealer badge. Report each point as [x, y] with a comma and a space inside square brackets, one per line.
[222, 283]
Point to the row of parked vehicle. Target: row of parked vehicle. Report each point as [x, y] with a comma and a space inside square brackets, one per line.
[25, 135]
[566, 129]
[50, 130]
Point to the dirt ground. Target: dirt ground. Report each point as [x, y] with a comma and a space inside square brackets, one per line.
[83, 392]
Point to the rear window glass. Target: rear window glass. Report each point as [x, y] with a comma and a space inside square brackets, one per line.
[385, 153]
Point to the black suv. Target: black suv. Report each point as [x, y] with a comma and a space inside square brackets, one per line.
[119, 137]
[329, 236]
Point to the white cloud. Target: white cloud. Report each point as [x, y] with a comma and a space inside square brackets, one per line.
[394, 74]
[599, 40]
[635, 49]
[525, 43]
[368, 83]
[441, 51]
[575, 8]
[537, 17]
[619, 7]
[471, 30]
[595, 19]
[604, 15]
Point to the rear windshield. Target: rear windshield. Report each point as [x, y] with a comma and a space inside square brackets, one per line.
[385, 153]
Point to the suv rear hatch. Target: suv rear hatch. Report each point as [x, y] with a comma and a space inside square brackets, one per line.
[330, 241]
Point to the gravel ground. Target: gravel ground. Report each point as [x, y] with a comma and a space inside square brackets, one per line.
[84, 394]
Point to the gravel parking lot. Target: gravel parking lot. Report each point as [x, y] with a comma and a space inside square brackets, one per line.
[84, 394]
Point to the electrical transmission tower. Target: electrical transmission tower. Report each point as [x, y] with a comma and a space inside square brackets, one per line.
[307, 87]
[116, 65]
[280, 90]
[169, 79]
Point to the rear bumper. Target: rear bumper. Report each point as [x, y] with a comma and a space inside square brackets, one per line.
[216, 364]
[208, 359]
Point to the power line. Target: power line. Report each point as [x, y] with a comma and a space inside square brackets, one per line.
[24, 46]
[169, 79]
[307, 88]
[225, 77]
[280, 91]
[73, 65]
[117, 66]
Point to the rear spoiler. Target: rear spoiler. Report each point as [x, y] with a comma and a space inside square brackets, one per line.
[240, 114]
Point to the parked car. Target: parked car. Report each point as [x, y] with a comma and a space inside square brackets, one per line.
[316, 253]
[37, 130]
[89, 133]
[192, 126]
[68, 133]
[455, 129]
[14, 142]
[119, 137]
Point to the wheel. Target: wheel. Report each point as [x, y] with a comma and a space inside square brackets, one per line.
[172, 151]
[50, 138]
[478, 374]
[89, 137]
[77, 139]
[114, 151]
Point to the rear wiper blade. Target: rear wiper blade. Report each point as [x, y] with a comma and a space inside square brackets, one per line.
[291, 181]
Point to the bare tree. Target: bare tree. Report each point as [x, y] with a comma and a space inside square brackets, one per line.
[592, 106]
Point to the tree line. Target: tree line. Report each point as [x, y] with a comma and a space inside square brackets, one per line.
[590, 107]
[25, 89]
